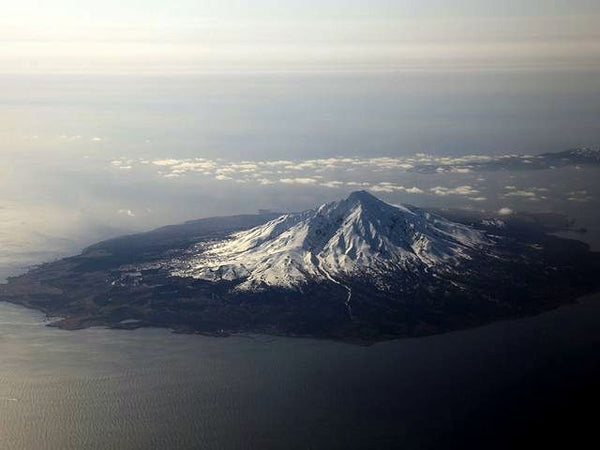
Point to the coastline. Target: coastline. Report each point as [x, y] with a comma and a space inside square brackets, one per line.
[73, 324]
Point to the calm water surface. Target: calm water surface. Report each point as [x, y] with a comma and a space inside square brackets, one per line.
[149, 388]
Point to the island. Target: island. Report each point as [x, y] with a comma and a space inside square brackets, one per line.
[425, 272]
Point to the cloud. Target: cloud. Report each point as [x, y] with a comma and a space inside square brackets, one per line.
[166, 162]
[579, 196]
[123, 164]
[199, 165]
[126, 212]
[453, 169]
[69, 137]
[344, 172]
[391, 187]
[333, 184]
[521, 193]
[413, 190]
[298, 180]
[459, 190]
[358, 183]
[530, 194]
[579, 199]
[309, 168]
[505, 211]
[266, 172]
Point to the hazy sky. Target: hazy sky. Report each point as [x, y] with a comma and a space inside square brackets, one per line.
[151, 36]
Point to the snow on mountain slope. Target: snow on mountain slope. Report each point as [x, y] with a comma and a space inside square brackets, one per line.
[338, 240]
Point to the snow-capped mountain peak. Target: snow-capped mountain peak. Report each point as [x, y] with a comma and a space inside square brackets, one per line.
[360, 235]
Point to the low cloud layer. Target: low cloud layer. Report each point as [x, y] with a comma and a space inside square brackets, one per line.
[451, 177]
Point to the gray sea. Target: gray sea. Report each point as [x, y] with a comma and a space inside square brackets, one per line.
[149, 388]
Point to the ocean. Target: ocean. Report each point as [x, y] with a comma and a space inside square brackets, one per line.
[492, 386]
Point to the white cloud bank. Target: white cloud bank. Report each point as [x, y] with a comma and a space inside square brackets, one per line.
[377, 174]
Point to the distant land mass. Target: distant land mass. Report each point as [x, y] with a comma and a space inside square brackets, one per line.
[358, 270]
[585, 156]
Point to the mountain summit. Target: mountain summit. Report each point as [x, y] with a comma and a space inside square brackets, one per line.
[360, 236]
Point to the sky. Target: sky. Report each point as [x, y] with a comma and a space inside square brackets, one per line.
[184, 36]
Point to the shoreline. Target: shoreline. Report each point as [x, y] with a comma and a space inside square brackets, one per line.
[73, 324]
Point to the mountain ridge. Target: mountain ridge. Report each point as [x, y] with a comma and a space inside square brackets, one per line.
[337, 240]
